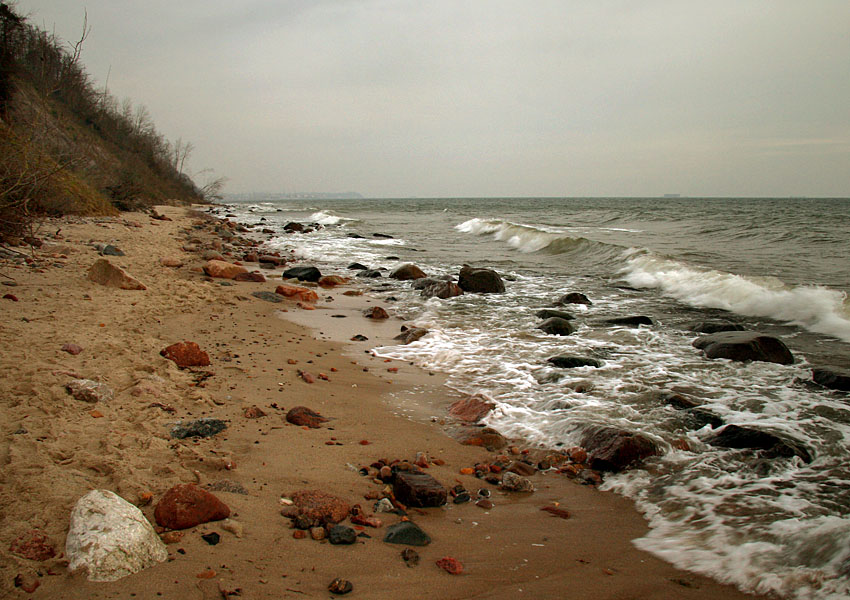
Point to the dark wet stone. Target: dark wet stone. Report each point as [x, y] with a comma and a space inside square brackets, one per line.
[407, 272]
[359, 338]
[355, 236]
[293, 227]
[714, 326]
[204, 427]
[480, 281]
[303, 274]
[442, 290]
[769, 444]
[548, 313]
[834, 378]
[462, 498]
[211, 538]
[341, 535]
[418, 489]
[573, 362]
[557, 326]
[369, 273]
[631, 321]
[612, 449]
[407, 533]
[384, 236]
[268, 296]
[411, 335]
[574, 298]
[694, 414]
[745, 346]
[110, 250]
[358, 267]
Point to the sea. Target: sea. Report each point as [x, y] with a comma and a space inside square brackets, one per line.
[776, 265]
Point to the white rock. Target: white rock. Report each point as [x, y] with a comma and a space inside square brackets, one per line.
[110, 538]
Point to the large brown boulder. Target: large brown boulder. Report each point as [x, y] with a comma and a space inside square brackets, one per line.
[480, 281]
[296, 292]
[612, 449]
[442, 290]
[471, 409]
[187, 505]
[223, 270]
[105, 273]
[407, 272]
[745, 346]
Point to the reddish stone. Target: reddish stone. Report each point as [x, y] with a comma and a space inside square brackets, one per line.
[11, 297]
[329, 281]
[368, 521]
[320, 508]
[296, 292]
[308, 377]
[613, 449]
[418, 489]
[223, 270]
[299, 534]
[303, 416]
[558, 512]
[471, 409]
[186, 354]
[450, 565]
[376, 312]
[27, 582]
[187, 505]
[256, 277]
[171, 261]
[486, 437]
[250, 257]
[578, 455]
[522, 468]
[271, 259]
[33, 545]
[254, 412]
[72, 348]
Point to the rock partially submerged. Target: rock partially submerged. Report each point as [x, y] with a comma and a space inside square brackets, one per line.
[612, 449]
[573, 298]
[745, 346]
[834, 378]
[410, 335]
[471, 409]
[109, 538]
[557, 326]
[442, 290]
[407, 272]
[769, 444]
[480, 281]
[573, 362]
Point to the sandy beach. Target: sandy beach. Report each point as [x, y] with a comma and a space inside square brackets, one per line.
[56, 448]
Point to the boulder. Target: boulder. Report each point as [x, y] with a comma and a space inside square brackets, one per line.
[109, 538]
[612, 449]
[834, 378]
[770, 445]
[357, 266]
[407, 272]
[186, 505]
[87, 390]
[548, 313]
[223, 270]
[714, 326]
[305, 417]
[745, 346]
[331, 281]
[480, 281]
[320, 508]
[573, 362]
[410, 335]
[696, 416]
[442, 290]
[418, 489]
[471, 409]
[573, 298]
[556, 326]
[296, 292]
[105, 273]
[303, 274]
[186, 354]
[407, 533]
[632, 321]
[293, 227]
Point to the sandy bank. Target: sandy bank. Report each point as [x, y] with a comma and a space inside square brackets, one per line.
[56, 448]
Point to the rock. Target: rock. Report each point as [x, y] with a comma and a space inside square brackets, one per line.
[320, 508]
[556, 326]
[305, 417]
[558, 512]
[340, 586]
[186, 505]
[383, 236]
[110, 538]
[212, 255]
[480, 281]
[303, 274]
[632, 321]
[110, 250]
[369, 273]
[411, 335]
[486, 437]
[612, 449]
[573, 362]
[203, 427]
[515, 483]
[771, 445]
[410, 557]
[87, 390]
[471, 409]
[834, 378]
[407, 272]
[696, 416]
[186, 354]
[376, 312]
[212, 538]
[442, 290]
[548, 313]
[744, 346]
[451, 565]
[171, 261]
[715, 326]
[341, 535]
[522, 468]
[255, 277]
[254, 412]
[234, 527]
[384, 505]
[418, 489]
[330, 281]
[268, 296]
[33, 545]
[223, 270]
[27, 581]
[105, 273]
[318, 533]
[574, 298]
[407, 533]
[271, 259]
[296, 292]
[293, 227]
[357, 267]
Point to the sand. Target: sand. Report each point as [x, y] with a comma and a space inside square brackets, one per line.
[56, 448]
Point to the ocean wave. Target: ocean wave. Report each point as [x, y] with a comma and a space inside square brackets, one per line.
[327, 217]
[816, 308]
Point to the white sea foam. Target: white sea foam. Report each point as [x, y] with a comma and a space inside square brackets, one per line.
[815, 308]
[327, 217]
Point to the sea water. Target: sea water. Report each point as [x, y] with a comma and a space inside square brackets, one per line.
[779, 266]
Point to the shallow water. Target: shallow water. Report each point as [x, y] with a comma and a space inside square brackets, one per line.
[775, 265]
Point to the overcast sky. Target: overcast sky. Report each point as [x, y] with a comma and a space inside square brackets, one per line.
[489, 97]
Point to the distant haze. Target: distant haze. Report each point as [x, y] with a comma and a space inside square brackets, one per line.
[486, 98]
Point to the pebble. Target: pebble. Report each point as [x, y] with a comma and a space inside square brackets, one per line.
[410, 556]
[450, 565]
[342, 535]
[340, 586]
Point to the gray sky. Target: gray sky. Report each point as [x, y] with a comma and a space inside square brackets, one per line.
[488, 97]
